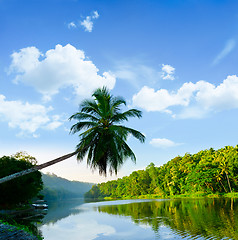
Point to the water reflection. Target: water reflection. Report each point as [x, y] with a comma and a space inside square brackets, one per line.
[208, 218]
[142, 219]
[82, 226]
[62, 209]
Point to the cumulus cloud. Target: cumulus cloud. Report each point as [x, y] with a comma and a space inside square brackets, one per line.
[87, 23]
[167, 72]
[225, 51]
[64, 66]
[163, 143]
[53, 125]
[194, 99]
[25, 61]
[27, 117]
[151, 100]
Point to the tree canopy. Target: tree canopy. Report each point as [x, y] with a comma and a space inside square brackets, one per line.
[22, 189]
[22, 155]
[208, 171]
[103, 140]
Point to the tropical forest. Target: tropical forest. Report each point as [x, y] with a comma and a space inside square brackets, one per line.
[208, 172]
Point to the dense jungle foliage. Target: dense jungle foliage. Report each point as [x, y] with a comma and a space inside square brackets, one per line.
[208, 171]
[22, 189]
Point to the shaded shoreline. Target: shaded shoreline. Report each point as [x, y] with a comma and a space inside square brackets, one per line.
[11, 232]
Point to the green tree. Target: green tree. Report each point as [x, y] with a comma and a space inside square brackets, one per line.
[208, 171]
[94, 192]
[104, 139]
[22, 189]
[152, 171]
[22, 155]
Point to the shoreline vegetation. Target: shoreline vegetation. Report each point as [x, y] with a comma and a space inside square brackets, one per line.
[187, 196]
[10, 228]
[208, 173]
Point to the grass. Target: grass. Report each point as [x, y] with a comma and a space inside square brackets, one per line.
[231, 195]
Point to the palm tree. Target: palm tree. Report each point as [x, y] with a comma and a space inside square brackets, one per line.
[104, 139]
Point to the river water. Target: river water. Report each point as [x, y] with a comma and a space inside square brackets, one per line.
[141, 219]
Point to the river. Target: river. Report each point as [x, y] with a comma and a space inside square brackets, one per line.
[141, 219]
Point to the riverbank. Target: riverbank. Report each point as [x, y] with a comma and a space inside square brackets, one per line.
[9, 232]
[188, 195]
[17, 223]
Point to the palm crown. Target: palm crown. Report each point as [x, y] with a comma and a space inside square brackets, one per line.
[104, 139]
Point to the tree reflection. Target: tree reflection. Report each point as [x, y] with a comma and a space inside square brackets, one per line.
[213, 218]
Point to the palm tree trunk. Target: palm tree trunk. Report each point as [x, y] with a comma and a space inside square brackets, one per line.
[36, 168]
[228, 181]
[223, 185]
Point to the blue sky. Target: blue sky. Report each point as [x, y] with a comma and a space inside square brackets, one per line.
[174, 60]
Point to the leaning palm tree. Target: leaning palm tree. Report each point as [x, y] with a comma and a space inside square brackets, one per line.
[103, 140]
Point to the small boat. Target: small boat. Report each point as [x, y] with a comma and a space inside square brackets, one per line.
[40, 205]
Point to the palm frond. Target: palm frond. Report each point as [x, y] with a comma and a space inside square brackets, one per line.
[126, 131]
[90, 106]
[102, 141]
[77, 127]
[101, 92]
[82, 116]
[116, 102]
[85, 144]
[125, 115]
[103, 99]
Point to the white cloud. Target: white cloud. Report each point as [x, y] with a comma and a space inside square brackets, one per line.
[26, 60]
[150, 100]
[167, 72]
[87, 23]
[53, 125]
[71, 25]
[195, 99]
[81, 227]
[226, 50]
[64, 66]
[163, 143]
[95, 15]
[26, 117]
[136, 72]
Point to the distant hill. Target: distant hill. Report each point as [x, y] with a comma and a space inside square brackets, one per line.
[57, 188]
